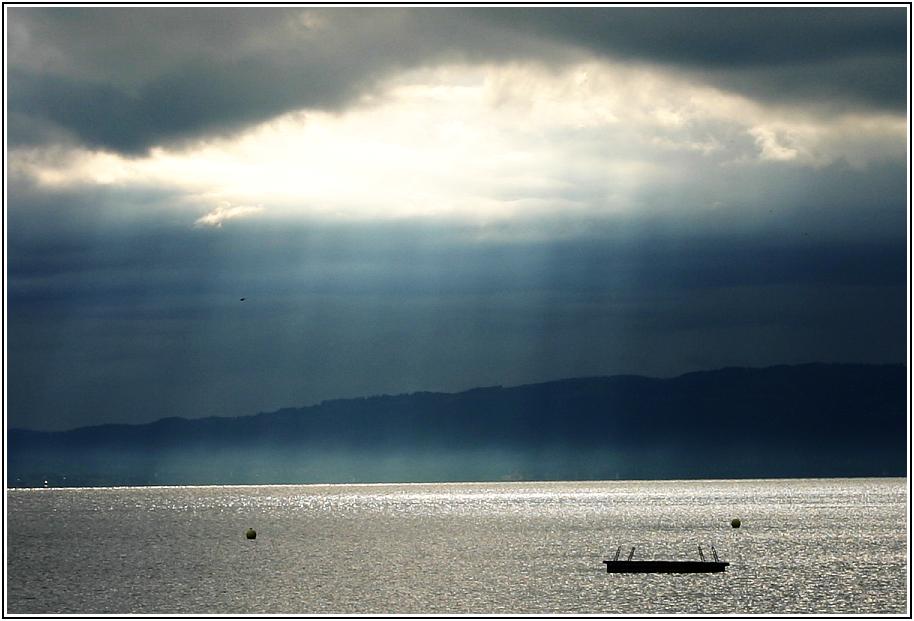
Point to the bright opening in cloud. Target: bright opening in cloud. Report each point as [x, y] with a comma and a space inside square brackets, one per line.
[485, 143]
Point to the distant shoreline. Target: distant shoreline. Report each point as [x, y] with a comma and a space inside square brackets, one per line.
[467, 483]
[804, 421]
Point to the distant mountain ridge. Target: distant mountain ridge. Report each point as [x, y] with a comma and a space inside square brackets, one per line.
[782, 421]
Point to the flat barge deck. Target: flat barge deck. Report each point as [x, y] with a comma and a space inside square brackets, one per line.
[664, 567]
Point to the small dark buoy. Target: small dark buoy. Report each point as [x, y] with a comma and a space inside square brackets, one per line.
[250, 533]
[243, 299]
[735, 523]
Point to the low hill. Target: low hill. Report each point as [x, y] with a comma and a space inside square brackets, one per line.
[784, 421]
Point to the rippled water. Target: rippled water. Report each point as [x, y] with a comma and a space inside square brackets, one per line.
[805, 546]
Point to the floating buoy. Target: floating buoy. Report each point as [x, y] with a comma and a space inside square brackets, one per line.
[735, 523]
[250, 533]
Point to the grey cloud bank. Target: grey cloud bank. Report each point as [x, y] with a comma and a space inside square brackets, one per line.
[130, 78]
[793, 54]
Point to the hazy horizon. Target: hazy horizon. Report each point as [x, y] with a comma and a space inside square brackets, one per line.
[299, 406]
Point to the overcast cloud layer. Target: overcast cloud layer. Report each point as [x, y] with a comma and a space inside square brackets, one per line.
[128, 79]
[435, 199]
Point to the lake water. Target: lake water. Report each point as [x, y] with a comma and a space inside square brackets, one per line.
[805, 546]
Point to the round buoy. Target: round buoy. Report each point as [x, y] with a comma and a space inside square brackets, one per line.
[250, 533]
[735, 523]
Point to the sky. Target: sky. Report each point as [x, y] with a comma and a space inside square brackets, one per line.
[441, 198]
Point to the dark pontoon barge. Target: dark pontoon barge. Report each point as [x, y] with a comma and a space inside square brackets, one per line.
[629, 566]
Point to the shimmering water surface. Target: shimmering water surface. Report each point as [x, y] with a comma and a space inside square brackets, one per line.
[805, 546]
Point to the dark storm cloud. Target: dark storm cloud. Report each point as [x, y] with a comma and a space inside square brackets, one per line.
[855, 54]
[183, 104]
[703, 36]
[122, 96]
[128, 79]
